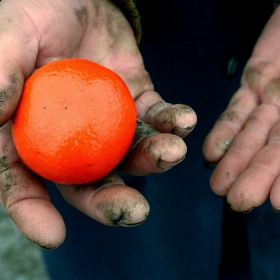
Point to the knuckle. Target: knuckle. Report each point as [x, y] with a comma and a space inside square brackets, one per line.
[232, 116]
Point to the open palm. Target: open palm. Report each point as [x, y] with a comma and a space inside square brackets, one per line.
[245, 139]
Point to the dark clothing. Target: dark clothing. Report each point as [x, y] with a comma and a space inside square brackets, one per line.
[195, 52]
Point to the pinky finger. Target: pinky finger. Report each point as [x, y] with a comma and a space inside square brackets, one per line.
[108, 201]
[27, 202]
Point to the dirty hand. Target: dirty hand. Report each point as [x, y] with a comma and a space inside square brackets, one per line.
[33, 33]
[246, 138]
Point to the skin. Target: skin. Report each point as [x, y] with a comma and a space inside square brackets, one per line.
[33, 33]
[246, 138]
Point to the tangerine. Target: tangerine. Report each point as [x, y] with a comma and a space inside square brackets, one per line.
[75, 121]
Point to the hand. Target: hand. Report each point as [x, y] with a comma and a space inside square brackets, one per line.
[34, 33]
[245, 140]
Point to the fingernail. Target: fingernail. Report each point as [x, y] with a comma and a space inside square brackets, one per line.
[182, 131]
[129, 225]
[247, 211]
[185, 129]
[132, 214]
[44, 247]
[209, 164]
[164, 165]
[242, 212]
[276, 210]
[226, 144]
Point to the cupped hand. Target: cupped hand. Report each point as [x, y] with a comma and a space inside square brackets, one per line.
[246, 138]
[34, 33]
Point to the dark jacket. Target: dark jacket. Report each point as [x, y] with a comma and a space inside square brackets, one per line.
[195, 52]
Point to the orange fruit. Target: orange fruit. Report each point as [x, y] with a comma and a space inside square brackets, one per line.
[75, 121]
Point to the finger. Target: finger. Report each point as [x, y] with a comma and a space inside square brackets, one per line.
[275, 195]
[252, 188]
[108, 201]
[179, 119]
[26, 199]
[259, 180]
[229, 124]
[152, 152]
[274, 141]
[244, 147]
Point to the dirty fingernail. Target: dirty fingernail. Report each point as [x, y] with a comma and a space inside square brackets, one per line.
[164, 165]
[129, 225]
[182, 131]
[227, 143]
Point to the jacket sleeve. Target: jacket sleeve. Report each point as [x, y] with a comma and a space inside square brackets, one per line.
[129, 10]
